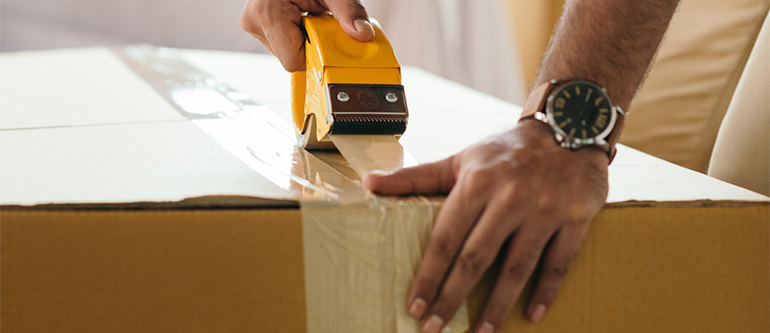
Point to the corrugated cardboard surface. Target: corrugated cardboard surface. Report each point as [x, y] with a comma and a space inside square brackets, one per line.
[113, 221]
[640, 269]
[663, 269]
[144, 271]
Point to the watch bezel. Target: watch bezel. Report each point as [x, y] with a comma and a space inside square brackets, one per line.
[569, 141]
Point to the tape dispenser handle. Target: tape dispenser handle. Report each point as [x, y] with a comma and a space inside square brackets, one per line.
[298, 90]
[298, 83]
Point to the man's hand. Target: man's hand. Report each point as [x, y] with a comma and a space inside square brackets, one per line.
[518, 192]
[276, 23]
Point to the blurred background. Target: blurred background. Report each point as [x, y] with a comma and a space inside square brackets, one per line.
[472, 42]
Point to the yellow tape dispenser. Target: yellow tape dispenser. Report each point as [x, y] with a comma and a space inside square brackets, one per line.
[348, 87]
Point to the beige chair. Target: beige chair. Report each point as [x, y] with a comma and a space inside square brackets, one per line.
[742, 152]
[677, 113]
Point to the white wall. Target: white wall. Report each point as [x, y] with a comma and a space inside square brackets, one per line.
[467, 41]
[34, 24]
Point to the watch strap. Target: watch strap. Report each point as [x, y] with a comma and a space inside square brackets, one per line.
[536, 100]
[614, 137]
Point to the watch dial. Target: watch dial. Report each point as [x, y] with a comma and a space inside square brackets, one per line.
[581, 109]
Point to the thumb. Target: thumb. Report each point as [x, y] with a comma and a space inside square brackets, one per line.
[353, 18]
[431, 178]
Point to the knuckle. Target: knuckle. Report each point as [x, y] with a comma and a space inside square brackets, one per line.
[291, 66]
[512, 193]
[545, 201]
[502, 166]
[478, 180]
[528, 257]
[578, 216]
[278, 10]
[557, 272]
[248, 18]
[443, 247]
[272, 13]
[245, 21]
[354, 6]
[516, 272]
[471, 262]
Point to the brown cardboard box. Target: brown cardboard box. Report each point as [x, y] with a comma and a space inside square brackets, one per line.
[118, 214]
[670, 268]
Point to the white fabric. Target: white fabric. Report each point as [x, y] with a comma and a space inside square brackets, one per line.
[200, 24]
[470, 42]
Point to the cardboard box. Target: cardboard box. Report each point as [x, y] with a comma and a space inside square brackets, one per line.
[119, 213]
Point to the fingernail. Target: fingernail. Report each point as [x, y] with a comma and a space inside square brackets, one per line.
[417, 309]
[433, 325]
[380, 172]
[363, 26]
[537, 314]
[486, 327]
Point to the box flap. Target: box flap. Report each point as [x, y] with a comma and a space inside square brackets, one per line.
[124, 163]
[74, 87]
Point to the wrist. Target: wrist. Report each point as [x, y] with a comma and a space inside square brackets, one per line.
[541, 137]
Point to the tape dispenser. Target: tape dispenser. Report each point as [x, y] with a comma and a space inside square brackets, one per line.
[348, 86]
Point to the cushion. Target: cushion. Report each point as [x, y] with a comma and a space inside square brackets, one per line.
[677, 113]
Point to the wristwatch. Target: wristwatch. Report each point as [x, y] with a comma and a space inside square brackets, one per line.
[579, 112]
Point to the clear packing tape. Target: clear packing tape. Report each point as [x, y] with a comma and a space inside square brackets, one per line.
[361, 251]
[359, 261]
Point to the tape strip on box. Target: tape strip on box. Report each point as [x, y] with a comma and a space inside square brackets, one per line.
[361, 251]
[359, 261]
[367, 153]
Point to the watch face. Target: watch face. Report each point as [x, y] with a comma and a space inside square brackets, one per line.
[581, 110]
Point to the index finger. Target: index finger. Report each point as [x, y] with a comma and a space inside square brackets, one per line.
[282, 31]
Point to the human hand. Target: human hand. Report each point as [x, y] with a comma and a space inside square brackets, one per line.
[518, 185]
[276, 23]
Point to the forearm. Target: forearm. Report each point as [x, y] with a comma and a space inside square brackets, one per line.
[610, 42]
